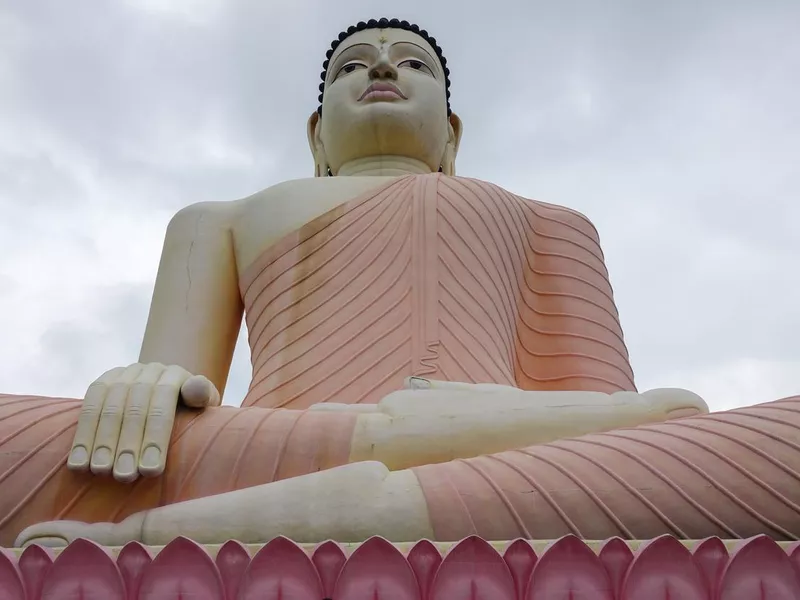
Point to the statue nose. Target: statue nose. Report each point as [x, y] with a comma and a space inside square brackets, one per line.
[383, 69]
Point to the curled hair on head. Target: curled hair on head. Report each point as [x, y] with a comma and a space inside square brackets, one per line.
[385, 23]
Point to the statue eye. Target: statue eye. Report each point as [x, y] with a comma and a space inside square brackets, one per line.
[350, 67]
[417, 65]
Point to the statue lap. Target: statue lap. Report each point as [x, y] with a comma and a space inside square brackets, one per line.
[212, 451]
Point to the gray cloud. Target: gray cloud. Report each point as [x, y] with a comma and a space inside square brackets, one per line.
[673, 126]
[109, 333]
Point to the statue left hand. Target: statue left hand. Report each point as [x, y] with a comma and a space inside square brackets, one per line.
[652, 406]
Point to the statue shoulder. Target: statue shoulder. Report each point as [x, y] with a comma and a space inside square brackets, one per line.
[229, 211]
[568, 216]
[278, 192]
[218, 213]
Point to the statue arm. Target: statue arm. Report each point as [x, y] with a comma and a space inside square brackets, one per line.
[196, 310]
[126, 419]
[568, 332]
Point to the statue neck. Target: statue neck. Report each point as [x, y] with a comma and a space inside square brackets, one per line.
[383, 166]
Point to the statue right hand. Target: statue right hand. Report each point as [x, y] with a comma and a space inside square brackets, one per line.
[127, 416]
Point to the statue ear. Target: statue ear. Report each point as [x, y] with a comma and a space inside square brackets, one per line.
[315, 144]
[454, 130]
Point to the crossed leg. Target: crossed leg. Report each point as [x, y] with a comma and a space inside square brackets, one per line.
[378, 494]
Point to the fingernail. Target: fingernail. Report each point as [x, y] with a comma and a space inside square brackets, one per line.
[151, 458]
[418, 383]
[102, 458]
[126, 465]
[79, 457]
[682, 413]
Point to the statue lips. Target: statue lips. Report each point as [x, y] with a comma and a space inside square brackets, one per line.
[382, 91]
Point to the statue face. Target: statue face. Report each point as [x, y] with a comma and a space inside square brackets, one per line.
[384, 95]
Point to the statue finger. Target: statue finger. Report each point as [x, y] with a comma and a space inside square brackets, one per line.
[134, 420]
[675, 403]
[160, 419]
[108, 429]
[83, 442]
[199, 392]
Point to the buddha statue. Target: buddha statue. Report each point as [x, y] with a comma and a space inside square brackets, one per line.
[433, 357]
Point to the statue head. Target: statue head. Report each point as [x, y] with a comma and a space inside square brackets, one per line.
[384, 92]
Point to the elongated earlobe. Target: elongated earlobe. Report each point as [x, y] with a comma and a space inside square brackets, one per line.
[448, 164]
[321, 168]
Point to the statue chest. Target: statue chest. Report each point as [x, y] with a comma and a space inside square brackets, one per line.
[441, 277]
[415, 279]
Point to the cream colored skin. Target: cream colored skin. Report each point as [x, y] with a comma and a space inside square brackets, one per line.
[196, 313]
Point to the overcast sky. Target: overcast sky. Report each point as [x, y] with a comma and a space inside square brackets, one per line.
[675, 126]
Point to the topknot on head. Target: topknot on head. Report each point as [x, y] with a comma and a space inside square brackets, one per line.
[385, 23]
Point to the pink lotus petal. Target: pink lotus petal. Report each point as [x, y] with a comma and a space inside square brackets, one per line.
[183, 569]
[133, 559]
[281, 570]
[521, 559]
[377, 571]
[232, 561]
[84, 570]
[12, 586]
[473, 570]
[425, 560]
[34, 564]
[663, 569]
[616, 557]
[329, 560]
[711, 556]
[569, 568]
[759, 570]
